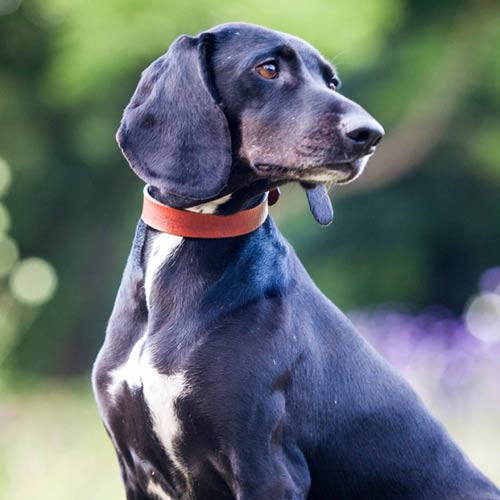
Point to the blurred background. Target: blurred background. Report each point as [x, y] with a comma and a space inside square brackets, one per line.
[413, 255]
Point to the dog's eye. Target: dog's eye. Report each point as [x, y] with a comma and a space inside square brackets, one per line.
[334, 83]
[268, 70]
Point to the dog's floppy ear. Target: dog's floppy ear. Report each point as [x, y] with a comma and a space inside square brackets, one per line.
[173, 133]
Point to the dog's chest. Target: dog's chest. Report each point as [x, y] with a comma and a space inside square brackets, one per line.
[141, 414]
[139, 404]
[159, 393]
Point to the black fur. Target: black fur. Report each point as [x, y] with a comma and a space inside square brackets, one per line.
[285, 400]
[172, 120]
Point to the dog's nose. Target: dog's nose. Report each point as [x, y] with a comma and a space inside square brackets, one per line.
[364, 132]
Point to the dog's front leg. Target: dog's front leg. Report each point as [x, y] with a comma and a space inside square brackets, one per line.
[276, 481]
[269, 470]
[256, 454]
[275, 489]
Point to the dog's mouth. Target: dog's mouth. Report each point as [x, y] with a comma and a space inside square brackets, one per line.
[316, 179]
[339, 173]
[327, 173]
[316, 183]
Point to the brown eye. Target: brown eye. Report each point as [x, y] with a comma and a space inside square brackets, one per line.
[334, 83]
[267, 70]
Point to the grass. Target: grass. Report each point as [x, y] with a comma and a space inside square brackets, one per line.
[53, 446]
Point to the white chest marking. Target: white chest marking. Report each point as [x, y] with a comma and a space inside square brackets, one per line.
[138, 372]
[211, 206]
[129, 372]
[156, 490]
[163, 249]
[161, 393]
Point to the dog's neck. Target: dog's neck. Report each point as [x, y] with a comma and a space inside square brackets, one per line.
[196, 275]
[237, 196]
[189, 282]
[232, 201]
[212, 207]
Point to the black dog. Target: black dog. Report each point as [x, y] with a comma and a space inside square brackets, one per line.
[225, 372]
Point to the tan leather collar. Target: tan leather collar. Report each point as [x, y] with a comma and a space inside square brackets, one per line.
[197, 225]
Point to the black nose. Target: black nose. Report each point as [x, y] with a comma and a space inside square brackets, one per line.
[365, 135]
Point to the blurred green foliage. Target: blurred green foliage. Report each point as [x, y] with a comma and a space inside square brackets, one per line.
[420, 229]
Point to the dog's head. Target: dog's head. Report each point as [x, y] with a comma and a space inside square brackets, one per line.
[241, 105]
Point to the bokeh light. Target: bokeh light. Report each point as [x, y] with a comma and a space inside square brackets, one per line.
[483, 317]
[47, 14]
[439, 353]
[9, 6]
[5, 175]
[33, 281]
[490, 280]
[8, 254]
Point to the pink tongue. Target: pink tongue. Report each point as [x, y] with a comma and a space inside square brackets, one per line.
[320, 204]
